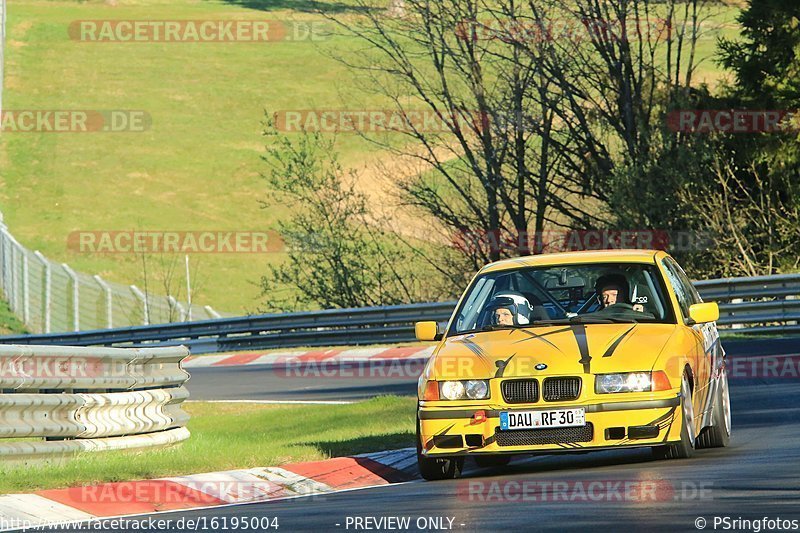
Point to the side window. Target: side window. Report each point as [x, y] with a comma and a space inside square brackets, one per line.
[694, 296]
[468, 317]
[681, 291]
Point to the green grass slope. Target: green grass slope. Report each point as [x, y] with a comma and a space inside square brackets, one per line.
[197, 167]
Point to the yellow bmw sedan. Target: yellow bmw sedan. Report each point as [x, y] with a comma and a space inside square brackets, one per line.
[573, 352]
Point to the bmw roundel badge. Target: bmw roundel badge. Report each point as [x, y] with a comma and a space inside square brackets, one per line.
[540, 366]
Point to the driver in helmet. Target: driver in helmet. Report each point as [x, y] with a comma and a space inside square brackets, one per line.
[612, 289]
[509, 309]
[613, 293]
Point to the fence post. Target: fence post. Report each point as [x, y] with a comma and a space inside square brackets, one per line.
[76, 314]
[139, 294]
[175, 304]
[11, 288]
[3, 269]
[26, 290]
[18, 297]
[109, 304]
[47, 290]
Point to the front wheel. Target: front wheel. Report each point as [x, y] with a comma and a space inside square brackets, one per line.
[437, 468]
[685, 448]
[719, 434]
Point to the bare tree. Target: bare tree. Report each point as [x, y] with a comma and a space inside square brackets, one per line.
[616, 67]
[494, 173]
[756, 229]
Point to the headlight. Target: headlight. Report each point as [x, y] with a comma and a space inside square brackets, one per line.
[474, 389]
[629, 382]
[453, 390]
[477, 389]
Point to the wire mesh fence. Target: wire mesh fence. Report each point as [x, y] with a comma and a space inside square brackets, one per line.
[49, 296]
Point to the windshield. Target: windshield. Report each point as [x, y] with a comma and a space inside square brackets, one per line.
[541, 296]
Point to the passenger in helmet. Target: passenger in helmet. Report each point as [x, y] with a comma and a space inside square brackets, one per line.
[509, 309]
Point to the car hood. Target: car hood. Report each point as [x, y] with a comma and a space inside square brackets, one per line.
[551, 350]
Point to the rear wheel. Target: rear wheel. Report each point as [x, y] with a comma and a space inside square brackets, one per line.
[685, 448]
[437, 468]
[492, 461]
[719, 434]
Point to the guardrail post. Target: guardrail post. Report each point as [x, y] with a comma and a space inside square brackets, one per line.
[47, 290]
[139, 294]
[109, 304]
[76, 314]
[737, 301]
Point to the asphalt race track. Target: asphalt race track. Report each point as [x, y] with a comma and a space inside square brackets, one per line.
[261, 382]
[346, 382]
[757, 476]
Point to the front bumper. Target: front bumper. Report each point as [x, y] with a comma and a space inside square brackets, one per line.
[447, 431]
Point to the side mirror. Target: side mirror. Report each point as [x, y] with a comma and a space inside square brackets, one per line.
[427, 331]
[703, 313]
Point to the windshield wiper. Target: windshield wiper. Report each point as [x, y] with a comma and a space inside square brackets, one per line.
[494, 327]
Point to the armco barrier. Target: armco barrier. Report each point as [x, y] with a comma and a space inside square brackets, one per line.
[766, 304]
[759, 304]
[63, 399]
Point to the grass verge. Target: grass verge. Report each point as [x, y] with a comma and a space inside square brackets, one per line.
[232, 436]
[9, 323]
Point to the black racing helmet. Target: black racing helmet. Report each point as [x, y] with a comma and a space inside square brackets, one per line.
[616, 279]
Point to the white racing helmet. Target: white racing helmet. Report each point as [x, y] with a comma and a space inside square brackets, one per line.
[516, 303]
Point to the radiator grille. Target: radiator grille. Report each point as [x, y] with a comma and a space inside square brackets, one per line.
[520, 390]
[561, 389]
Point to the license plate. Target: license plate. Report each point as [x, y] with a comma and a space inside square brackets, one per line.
[558, 418]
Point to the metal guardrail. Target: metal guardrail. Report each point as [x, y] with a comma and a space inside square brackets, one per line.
[756, 305]
[334, 327]
[62, 399]
[749, 305]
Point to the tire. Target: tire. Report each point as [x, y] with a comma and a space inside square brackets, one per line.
[719, 434]
[492, 461]
[685, 448]
[435, 469]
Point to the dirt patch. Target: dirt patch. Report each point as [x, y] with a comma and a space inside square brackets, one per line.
[380, 179]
